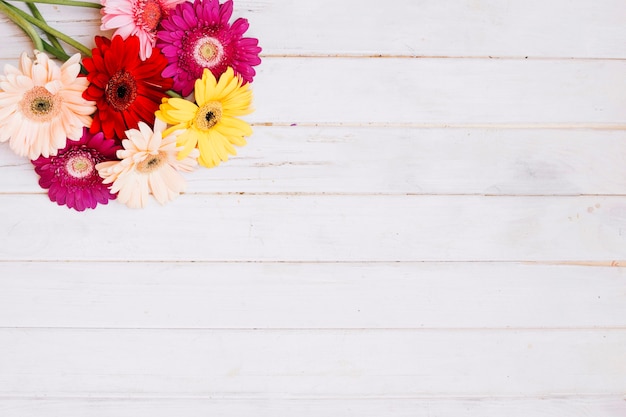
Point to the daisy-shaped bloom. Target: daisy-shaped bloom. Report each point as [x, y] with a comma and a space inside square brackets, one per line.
[148, 165]
[41, 105]
[71, 177]
[211, 125]
[197, 35]
[136, 18]
[126, 89]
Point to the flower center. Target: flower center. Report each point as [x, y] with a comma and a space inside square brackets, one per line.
[39, 105]
[79, 164]
[149, 14]
[208, 51]
[208, 115]
[151, 163]
[121, 90]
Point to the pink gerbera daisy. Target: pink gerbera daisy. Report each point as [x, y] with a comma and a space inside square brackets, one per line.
[197, 36]
[136, 18]
[71, 177]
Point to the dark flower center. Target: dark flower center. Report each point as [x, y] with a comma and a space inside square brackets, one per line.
[121, 90]
[152, 163]
[39, 104]
[208, 115]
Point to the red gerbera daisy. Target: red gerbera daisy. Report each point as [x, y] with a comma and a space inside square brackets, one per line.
[197, 35]
[126, 89]
[71, 177]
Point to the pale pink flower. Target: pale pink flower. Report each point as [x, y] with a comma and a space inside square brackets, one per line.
[139, 18]
[42, 105]
[148, 164]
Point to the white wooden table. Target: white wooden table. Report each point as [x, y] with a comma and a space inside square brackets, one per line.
[429, 220]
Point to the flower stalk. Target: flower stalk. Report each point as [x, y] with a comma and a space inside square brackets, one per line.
[37, 15]
[6, 7]
[66, 3]
[9, 12]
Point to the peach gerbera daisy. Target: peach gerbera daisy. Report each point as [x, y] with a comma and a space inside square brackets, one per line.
[42, 105]
[138, 18]
[148, 165]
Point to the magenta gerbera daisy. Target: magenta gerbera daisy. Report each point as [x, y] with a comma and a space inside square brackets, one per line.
[197, 35]
[136, 18]
[71, 177]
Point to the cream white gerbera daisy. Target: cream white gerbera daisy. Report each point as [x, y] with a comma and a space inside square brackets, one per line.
[148, 165]
[42, 105]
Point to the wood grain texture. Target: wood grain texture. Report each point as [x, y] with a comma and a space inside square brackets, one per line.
[481, 28]
[313, 228]
[337, 363]
[387, 160]
[365, 407]
[428, 221]
[435, 92]
[311, 295]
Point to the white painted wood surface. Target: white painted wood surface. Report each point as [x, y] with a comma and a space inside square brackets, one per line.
[430, 220]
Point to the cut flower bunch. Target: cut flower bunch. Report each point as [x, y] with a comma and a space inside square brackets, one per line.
[161, 92]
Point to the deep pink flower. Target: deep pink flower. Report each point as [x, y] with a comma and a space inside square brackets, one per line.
[197, 35]
[71, 177]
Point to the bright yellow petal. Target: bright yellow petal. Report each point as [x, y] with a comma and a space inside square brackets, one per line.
[176, 110]
[205, 87]
[231, 126]
[227, 84]
[238, 102]
[188, 140]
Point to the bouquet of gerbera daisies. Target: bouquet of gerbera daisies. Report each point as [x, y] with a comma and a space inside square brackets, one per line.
[162, 94]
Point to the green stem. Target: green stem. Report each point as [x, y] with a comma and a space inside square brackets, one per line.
[61, 55]
[43, 26]
[37, 15]
[66, 3]
[58, 53]
[173, 94]
[7, 9]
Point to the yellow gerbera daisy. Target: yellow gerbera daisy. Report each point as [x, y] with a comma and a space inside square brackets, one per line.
[42, 105]
[211, 125]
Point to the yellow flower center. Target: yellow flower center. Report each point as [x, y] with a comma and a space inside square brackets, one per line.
[208, 51]
[208, 115]
[79, 166]
[39, 105]
[151, 163]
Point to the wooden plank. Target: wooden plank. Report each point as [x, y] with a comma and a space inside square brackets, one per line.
[435, 92]
[336, 363]
[579, 406]
[347, 295]
[387, 160]
[517, 28]
[313, 228]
